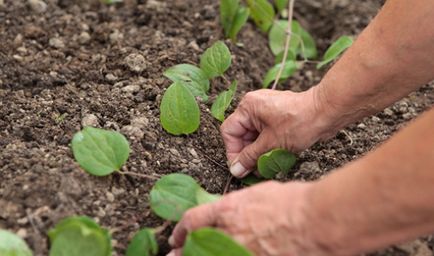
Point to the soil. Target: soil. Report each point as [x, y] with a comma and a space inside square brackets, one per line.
[82, 62]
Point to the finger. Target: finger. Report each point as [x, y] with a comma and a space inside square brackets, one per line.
[235, 130]
[246, 159]
[201, 216]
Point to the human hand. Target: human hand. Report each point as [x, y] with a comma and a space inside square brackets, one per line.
[269, 119]
[269, 219]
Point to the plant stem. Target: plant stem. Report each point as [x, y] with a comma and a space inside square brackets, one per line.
[163, 227]
[287, 43]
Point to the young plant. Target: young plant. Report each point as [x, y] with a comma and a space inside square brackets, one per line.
[100, 152]
[262, 13]
[274, 162]
[13, 245]
[212, 242]
[143, 243]
[337, 48]
[79, 236]
[233, 17]
[174, 194]
[179, 111]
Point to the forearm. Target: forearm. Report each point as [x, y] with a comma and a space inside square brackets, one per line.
[381, 199]
[393, 56]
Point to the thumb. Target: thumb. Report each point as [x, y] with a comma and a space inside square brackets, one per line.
[246, 159]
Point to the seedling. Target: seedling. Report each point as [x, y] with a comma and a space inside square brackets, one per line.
[79, 236]
[100, 152]
[337, 48]
[143, 243]
[111, 1]
[174, 194]
[179, 111]
[274, 162]
[233, 16]
[13, 245]
[212, 242]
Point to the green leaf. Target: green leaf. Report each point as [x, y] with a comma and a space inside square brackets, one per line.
[192, 77]
[79, 236]
[143, 244]
[100, 152]
[13, 245]
[262, 13]
[289, 69]
[216, 60]
[281, 5]
[212, 242]
[251, 179]
[279, 57]
[203, 197]
[275, 161]
[277, 37]
[172, 195]
[228, 11]
[240, 20]
[222, 102]
[310, 51]
[338, 47]
[179, 112]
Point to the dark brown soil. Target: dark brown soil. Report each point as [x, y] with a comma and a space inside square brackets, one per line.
[68, 66]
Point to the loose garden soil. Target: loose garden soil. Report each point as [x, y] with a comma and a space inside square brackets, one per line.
[84, 63]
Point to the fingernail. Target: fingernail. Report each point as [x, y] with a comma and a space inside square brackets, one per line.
[171, 241]
[171, 253]
[238, 169]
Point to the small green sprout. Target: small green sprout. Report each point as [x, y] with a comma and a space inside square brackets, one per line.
[233, 17]
[79, 236]
[13, 245]
[143, 243]
[274, 162]
[336, 49]
[100, 152]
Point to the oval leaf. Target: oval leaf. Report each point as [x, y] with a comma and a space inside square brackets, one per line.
[179, 112]
[143, 244]
[279, 57]
[13, 245]
[100, 152]
[222, 102]
[192, 77]
[338, 47]
[275, 161]
[289, 69]
[216, 60]
[172, 195]
[79, 236]
[240, 20]
[309, 51]
[262, 13]
[277, 37]
[228, 11]
[212, 242]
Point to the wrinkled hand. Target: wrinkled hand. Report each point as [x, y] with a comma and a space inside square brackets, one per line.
[269, 119]
[269, 219]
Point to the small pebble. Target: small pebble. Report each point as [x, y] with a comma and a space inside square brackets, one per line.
[131, 88]
[56, 43]
[90, 120]
[84, 38]
[136, 62]
[38, 6]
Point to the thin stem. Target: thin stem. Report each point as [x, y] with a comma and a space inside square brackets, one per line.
[287, 43]
[163, 227]
[227, 184]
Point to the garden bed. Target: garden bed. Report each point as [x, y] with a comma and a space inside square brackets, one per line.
[68, 66]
